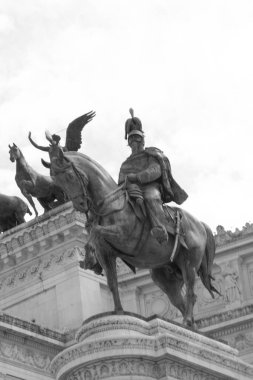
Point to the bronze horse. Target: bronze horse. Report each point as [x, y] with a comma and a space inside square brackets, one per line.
[33, 184]
[117, 232]
[12, 212]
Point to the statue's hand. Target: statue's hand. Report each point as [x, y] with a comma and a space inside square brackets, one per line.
[132, 177]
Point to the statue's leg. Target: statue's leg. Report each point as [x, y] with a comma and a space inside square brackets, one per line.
[171, 284]
[107, 258]
[155, 213]
[24, 187]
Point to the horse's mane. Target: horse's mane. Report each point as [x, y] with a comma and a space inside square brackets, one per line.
[91, 160]
[27, 166]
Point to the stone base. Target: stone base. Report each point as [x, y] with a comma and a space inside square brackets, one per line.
[127, 346]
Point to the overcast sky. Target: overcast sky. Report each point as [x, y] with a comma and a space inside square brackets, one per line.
[186, 67]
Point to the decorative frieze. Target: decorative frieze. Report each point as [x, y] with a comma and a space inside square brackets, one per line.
[225, 316]
[38, 268]
[136, 368]
[43, 232]
[25, 355]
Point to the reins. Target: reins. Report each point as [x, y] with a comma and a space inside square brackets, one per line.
[101, 203]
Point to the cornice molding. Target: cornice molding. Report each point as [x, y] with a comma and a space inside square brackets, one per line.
[223, 237]
[26, 329]
[227, 316]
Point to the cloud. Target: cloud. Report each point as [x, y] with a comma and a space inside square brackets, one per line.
[185, 68]
[6, 23]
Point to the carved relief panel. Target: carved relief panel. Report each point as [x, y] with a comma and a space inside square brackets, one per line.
[156, 303]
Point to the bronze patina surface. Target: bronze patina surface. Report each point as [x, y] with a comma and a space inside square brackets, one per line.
[33, 184]
[12, 212]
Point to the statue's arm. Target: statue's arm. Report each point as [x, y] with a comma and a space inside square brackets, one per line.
[152, 173]
[43, 148]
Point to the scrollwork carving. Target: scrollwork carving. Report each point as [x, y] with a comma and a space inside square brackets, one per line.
[25, 355]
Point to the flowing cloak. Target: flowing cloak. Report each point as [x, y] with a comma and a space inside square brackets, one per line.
[167, 181]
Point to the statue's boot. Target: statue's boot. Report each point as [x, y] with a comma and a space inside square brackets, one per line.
[157, 218]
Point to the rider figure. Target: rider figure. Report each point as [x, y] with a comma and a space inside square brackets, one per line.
[147, 172]
[52, 149]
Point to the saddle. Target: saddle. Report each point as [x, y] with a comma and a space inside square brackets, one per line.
[117, 201]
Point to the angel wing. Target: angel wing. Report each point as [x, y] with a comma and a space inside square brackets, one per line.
[74, 130]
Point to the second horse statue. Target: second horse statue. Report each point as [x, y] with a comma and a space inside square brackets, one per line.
[33, 184]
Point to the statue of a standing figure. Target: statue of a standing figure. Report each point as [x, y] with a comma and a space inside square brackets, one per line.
[147, 175]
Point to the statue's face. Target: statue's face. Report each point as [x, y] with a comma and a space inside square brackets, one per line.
[136, 143]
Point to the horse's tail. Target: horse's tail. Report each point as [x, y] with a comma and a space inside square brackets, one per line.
[207, 262]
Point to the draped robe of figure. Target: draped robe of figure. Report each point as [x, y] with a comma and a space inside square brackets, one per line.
[155, 180]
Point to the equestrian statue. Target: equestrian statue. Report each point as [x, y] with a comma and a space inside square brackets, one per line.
[12, 212]
[33, 184]
[132, 221]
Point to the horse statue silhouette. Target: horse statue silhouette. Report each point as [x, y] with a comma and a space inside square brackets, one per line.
[33, 184]
[12, 212]
[117, 231]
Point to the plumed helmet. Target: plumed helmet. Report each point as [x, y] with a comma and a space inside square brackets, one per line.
[133, 126]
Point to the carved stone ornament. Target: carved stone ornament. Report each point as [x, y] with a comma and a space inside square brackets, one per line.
[223, 237]
[12, 352]
[111, 346]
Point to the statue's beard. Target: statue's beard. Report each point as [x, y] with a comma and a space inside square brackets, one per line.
[137, 147]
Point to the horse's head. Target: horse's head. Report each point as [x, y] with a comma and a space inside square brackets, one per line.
[71, 179]
[14, 152]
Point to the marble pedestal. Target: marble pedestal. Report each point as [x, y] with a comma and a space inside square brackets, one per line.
[127, 346]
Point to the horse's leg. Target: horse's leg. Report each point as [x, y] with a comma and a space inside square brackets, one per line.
[59, 195]
[24, 187]
[171, 284]
[188, 267]
[108, 263]
[20, 217]
[45, 204]
[107, 259]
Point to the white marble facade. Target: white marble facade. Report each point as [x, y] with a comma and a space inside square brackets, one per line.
[45, 295]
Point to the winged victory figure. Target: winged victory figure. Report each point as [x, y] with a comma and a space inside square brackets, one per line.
[73, 138]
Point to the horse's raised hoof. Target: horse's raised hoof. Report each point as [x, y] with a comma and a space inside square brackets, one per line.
[188, 323]
[194, 326]
[191, 325]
